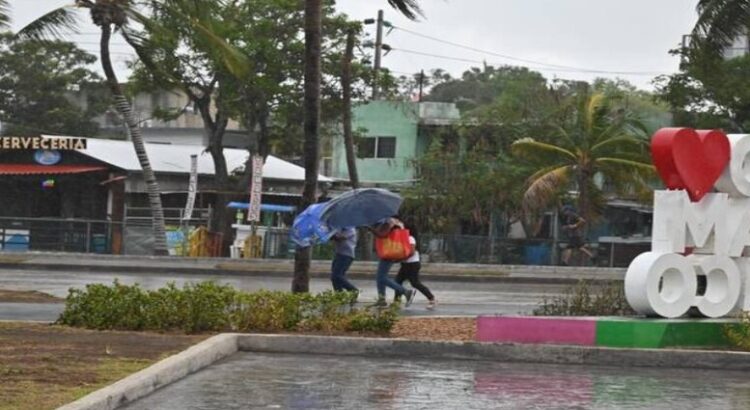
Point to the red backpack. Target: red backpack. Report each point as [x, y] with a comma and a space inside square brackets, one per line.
[394, 247]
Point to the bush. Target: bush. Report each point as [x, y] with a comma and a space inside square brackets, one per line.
[587, 299]
[208, 306]
[738, 334]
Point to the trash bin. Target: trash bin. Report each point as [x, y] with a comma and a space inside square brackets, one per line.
[536, 254]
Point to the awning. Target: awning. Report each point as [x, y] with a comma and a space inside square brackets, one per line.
[263, 207]
[35, 169]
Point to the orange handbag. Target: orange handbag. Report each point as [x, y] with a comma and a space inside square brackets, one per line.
[395, 246]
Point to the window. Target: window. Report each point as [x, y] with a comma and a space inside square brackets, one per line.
[386, 147]
[366, 148]
[376, 147]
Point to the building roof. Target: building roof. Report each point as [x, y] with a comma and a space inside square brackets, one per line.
[175, 158]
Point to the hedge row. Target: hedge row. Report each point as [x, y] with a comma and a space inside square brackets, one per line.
[208, 306]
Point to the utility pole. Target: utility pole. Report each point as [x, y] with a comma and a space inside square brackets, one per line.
[421, 84]
[346, 86]
[378, 49]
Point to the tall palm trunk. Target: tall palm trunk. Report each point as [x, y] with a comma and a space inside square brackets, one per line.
[313, 23]
[124, 108]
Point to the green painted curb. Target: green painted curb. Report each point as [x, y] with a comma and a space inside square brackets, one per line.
[660, 333]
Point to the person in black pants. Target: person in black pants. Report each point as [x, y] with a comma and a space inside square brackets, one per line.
[410, 271]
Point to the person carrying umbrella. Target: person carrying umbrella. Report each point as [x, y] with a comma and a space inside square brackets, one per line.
[382, 280]
[345, 243]
[373, 208]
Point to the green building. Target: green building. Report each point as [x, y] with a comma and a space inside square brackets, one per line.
[392, 134]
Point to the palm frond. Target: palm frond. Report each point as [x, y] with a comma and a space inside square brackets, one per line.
[720, 22]
[593, 107]
[641, 166]
[234, 60]
[51, 25]
[409, 8]
[4, 14]
[543, 190]
[532, 149]
[624, 141]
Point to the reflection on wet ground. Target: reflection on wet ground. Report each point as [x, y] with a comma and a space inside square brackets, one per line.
[282, 381]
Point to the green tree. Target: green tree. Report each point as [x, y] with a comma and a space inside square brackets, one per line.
[719, 23]
[312, 108]
[596, 149]
[264, 96]
[709, 91]
[109, 16]
[36, 79]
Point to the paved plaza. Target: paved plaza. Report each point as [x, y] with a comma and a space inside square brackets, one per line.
[281, 381]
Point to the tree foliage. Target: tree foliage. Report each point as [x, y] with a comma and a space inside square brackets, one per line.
[597, 149]
[709, 91]
[38, 81]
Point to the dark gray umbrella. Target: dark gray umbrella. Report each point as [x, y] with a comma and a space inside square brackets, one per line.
[361, 207]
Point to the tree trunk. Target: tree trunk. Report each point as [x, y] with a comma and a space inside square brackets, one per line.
[124, 108]
[346, 86]
[221, 219]
[313, 23]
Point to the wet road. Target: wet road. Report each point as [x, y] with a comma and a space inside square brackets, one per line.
[455, 298]
[268, 381]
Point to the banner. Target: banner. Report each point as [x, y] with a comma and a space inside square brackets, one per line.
[256, 189]
[192, 189]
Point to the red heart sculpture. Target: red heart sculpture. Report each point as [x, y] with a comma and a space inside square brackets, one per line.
[689, 159]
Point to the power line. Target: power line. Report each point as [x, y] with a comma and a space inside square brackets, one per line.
[523, 60]
[467, 60]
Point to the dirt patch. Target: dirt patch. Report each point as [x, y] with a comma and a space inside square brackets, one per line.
[438, 328]
[23, 296]
[45, 366]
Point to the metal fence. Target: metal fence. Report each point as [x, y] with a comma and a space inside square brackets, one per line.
[59, 235]
[94, 236]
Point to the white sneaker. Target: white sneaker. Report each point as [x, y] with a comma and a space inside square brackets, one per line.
[431, 305]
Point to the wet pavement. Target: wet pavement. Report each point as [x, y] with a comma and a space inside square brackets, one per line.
[455, 298]
[279, 381]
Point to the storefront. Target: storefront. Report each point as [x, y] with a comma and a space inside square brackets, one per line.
[73, 194]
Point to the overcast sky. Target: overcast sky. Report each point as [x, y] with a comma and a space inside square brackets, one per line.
[624, 38]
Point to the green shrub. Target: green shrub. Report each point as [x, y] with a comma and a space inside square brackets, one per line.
[101, 307]
[587, 299]
[208, 306]
[738, 334]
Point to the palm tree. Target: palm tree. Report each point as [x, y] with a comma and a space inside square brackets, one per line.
[4, 14]
[409, 8]
[313, 27]
[720, 22]
[109, 16]
[597, 142]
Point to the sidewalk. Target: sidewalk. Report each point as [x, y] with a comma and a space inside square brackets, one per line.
[283, 268]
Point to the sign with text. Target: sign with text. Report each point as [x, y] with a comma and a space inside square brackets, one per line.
[256, 189]
[35, 143]
[701, 227]
[192, 188]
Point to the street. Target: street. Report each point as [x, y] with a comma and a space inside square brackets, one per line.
[454, 298]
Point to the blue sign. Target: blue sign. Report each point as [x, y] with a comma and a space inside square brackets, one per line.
[47, 156]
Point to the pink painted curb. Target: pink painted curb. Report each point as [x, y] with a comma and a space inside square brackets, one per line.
[537, 330]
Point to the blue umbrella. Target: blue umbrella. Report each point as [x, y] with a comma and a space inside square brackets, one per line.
[309, 229]
[361, 207]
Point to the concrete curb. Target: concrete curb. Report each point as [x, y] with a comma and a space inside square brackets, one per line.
[465, 278]
[159, 375]
[218, 347]
[505, 352]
